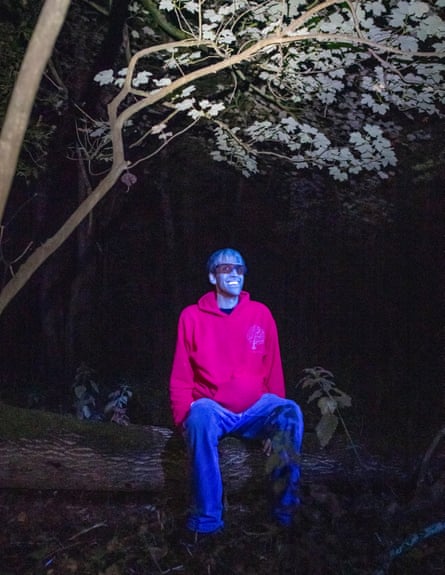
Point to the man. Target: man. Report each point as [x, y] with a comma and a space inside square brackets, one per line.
[227, 378]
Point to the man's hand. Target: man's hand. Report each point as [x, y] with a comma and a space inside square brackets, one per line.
[267, 447]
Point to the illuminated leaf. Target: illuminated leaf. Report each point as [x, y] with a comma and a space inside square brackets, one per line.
[327, 405]
[315, 395]
[326, 427]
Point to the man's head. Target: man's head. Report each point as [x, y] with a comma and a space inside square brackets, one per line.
[226, 268]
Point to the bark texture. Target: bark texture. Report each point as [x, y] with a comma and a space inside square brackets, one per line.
[41, 450]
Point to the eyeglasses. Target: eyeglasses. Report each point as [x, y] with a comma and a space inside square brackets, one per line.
[240, 269]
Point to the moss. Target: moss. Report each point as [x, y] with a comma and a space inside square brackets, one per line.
[17, 423]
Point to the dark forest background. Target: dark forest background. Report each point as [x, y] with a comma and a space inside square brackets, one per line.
[352, 272]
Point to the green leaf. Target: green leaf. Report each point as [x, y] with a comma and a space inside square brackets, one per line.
[326, 428]
[342, 398]
[327, 405]
[307, 382]
[326, 385]
[79, 390]
[317, 393]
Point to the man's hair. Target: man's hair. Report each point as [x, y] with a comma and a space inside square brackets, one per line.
[212, 262]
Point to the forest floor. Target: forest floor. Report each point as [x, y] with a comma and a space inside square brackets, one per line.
[344, 527]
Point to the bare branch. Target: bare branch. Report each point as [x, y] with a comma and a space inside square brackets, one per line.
[39, 50]
[120, 111]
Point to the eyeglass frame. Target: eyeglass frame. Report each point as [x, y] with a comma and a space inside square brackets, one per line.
[241, 269]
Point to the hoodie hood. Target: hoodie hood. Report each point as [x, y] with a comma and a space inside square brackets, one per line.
[208, 303]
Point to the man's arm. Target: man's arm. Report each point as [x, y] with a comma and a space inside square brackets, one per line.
[181, 379]
[274, 367]
[275, 372]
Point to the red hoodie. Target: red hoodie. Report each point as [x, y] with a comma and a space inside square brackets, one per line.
[231, 358]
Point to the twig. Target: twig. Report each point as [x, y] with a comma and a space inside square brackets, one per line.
[87, 530]
[409, 543]
[348, 435]
[428, 455]
[51, 556]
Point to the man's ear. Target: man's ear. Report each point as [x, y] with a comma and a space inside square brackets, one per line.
[212, 278]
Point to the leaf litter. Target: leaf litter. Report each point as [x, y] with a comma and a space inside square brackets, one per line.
[344, 527]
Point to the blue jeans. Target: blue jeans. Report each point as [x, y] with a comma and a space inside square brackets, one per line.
[271, 417]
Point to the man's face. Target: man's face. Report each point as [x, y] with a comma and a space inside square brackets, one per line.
[228, 279]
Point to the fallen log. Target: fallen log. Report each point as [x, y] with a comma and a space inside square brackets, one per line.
[42, 450]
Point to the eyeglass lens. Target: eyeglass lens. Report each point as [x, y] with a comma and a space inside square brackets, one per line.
[228, 268]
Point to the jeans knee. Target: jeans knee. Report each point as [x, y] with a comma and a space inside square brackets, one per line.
[292, 411]
[296, 412]
[288, 420]
[200, 417]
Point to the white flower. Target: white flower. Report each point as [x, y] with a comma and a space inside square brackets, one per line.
[166, 5]
[158, 128]
[142, 78]
[104, 77]
[162, 82]
[185, 104]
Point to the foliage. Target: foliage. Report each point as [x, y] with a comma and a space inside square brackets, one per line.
[87, 402]
[16, 27]
[330, 399]
[117, 404]
[345, 527]
[60, 90]
[86, 391]
[314, 84]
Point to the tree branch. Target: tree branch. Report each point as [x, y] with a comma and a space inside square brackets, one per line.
[162, 21]
[118, 117]
[39, 50]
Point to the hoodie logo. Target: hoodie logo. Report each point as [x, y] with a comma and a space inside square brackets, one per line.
[256, 337]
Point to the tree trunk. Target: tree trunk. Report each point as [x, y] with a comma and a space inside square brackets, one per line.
[40, 47]
[41, 450]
